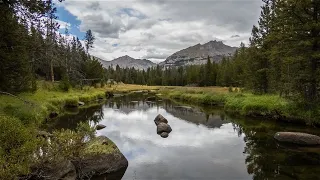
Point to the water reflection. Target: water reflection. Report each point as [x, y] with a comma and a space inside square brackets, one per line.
[192, 151]
[266, 159]
[204, 143]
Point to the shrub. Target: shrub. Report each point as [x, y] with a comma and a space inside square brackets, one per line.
[17, 146]
[26, 113]
[64, 84]
[70, 144]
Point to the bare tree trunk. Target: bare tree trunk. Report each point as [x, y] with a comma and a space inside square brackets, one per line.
[51, 71]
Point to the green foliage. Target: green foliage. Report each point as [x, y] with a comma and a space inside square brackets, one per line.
[71, 144]
[26, 113]
[64, 84]
[71, 102]
[18, 144]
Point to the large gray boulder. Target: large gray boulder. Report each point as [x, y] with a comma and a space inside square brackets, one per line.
[160, 119]
[297, 138]
[102, 157]
[163, 127]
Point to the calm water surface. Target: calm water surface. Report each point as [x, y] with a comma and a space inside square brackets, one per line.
[204, 144]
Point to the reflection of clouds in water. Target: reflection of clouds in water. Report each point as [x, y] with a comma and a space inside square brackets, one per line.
[190, 151]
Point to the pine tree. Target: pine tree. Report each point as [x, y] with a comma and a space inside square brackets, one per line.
[89, 39]
[208, 71]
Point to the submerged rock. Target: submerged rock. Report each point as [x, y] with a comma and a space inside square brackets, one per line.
[163, 127]
[81, 103]
[164, 134]
[297, 138]
[100, 126]
[101, 158]
[160, 119]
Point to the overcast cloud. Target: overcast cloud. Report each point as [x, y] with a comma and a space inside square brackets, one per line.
[156, 29]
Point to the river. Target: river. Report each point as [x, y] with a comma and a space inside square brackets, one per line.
[205, 142]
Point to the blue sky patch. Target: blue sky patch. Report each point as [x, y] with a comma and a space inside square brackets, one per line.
[132, 13]
[66, 16]
[115, 45]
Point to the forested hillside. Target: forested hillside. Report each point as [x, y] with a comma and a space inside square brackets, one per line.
[31, 48]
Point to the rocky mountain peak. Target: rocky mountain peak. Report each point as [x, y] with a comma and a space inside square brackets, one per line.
[128, 62]
[199, 53]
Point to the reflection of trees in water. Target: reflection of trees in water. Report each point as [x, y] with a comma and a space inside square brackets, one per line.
[266, 160]
[70, 121]
[128, 104]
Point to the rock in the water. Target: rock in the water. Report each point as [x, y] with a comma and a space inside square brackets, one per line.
[297, 138]
[100, 126]
[163, 127]
[160, 119]
[81, 103]
[164, 134]
[61, 169]
[53, 115]
[151, 98]
[106, 160]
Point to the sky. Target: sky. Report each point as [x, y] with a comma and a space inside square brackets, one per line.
[155, 29]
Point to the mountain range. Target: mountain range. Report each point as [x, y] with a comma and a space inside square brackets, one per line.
[194, 55]
[198, 54]
[128, 62]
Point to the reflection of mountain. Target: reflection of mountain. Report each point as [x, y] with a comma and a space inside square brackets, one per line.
[195, 116]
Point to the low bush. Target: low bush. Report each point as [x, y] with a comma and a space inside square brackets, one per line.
[18, 143]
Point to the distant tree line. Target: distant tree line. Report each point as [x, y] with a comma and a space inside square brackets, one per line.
[31, 48]
[283, 57]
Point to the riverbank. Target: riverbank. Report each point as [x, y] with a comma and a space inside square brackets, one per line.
[245, 104]
[22, 115]
[35, 107]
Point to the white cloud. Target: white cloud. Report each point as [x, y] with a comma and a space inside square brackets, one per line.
[62, 24]
[156, 29]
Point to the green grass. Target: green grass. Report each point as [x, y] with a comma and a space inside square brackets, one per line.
[46, 100]
[246, 104]
[96, 146]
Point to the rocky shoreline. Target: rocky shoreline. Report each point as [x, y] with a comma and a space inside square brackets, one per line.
[103, 159]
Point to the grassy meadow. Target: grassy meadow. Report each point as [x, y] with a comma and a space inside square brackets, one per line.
[244, 103]
[20, 118]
